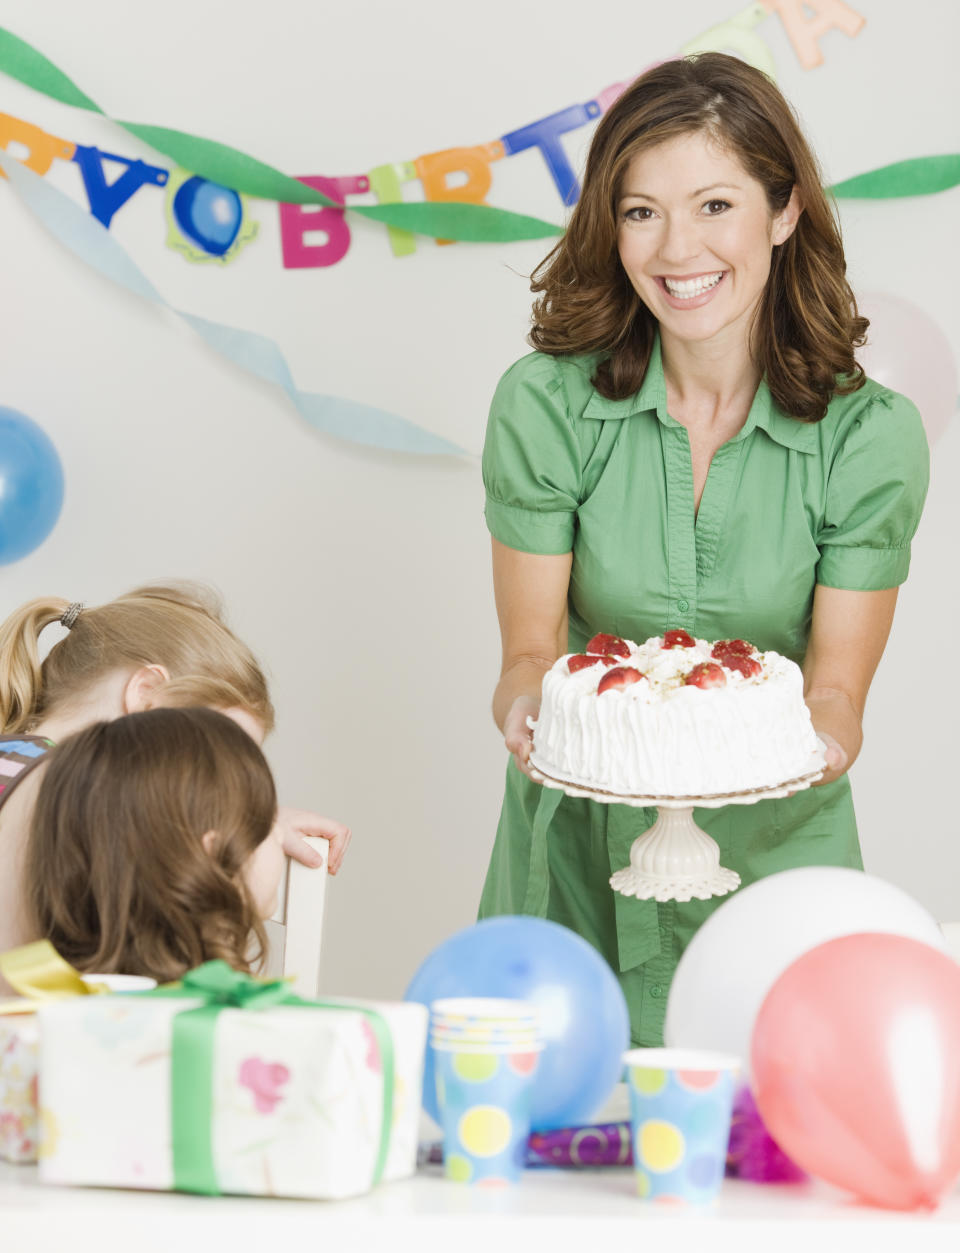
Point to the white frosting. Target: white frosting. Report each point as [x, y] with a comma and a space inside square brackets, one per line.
[663, 737]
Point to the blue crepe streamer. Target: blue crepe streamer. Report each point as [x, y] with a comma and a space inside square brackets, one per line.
[87, 239]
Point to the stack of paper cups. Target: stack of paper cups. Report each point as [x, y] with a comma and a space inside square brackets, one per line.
[486, 1056]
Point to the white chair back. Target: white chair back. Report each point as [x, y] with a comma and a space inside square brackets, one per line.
[295, 931]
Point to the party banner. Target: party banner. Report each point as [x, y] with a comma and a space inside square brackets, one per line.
[205, 208]
[206, 203]
[210, 222]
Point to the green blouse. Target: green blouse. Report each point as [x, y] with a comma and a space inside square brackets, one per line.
[786, 505]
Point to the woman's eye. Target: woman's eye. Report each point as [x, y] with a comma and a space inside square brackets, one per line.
[713, 207]
[640, 214]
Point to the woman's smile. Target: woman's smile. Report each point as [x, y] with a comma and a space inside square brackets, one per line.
[690, 291]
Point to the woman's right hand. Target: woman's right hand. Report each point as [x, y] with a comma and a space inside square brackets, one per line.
[531, 593]
[517, 736]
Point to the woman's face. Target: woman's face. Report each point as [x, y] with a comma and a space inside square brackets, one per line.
[695, 237]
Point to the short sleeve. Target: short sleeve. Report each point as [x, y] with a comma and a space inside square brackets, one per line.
[874, 497]
[531, 460]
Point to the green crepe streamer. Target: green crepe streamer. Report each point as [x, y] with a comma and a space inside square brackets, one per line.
[238, 170]
[917, 176]
[192, 1056]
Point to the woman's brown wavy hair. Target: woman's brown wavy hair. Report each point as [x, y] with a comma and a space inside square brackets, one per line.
[118, 877]
[806, 324]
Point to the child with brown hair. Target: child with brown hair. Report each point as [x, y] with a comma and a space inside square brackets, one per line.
[153, 845]
[164, 645]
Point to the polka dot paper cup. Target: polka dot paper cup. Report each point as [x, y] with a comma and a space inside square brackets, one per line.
[680, 1106]
[484, 1097]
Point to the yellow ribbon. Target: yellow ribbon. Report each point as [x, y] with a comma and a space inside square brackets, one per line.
[39, 973]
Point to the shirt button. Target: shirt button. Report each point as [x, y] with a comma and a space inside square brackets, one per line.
[657, 990]
[683, 605]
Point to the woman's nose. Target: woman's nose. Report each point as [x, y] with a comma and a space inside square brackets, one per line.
[679, 243]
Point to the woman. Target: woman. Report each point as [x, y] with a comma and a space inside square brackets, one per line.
[693, 445]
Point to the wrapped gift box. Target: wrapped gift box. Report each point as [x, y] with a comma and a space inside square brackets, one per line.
[287, 1100]
[19, 1057]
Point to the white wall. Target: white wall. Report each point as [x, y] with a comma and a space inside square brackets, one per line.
[362, 579]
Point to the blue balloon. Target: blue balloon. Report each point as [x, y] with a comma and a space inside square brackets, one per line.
[31, 485]
[208, 214]
[583, 1013]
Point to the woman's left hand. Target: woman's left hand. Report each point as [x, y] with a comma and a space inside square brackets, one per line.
[294, 824]
[836, 759]
[848, 632]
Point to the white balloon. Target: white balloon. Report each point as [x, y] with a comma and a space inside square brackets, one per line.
[741, 950]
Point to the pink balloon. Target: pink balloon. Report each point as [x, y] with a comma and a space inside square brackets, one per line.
[856, 1067]
[908, 352]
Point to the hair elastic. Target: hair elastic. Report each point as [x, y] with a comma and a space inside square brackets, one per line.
[71, 614]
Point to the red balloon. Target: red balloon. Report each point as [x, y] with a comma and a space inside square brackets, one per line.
[856, 1067]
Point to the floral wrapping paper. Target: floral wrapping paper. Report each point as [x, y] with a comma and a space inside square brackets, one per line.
[297, 1095]
[19, 1054]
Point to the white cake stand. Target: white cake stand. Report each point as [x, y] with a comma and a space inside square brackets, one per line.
[675, 860]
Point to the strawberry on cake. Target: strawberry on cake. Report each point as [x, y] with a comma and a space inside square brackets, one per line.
[674, 716]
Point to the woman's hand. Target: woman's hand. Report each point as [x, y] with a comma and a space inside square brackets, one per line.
[517, 736]
[294, 824]
[848, 633]
[531, 594]
[836, 759]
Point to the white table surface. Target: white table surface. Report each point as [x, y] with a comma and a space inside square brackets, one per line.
[550, 1209]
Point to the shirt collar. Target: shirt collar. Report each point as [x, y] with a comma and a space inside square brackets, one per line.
[652, 398]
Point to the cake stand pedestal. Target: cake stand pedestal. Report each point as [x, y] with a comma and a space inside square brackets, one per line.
[675, 860]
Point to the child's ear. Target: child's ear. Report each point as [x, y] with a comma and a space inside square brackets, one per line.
[208, 840]
[142, 688]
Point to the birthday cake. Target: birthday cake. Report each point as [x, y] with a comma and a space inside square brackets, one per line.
[674, 716]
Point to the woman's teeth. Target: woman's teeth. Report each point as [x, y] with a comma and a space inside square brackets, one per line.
[691, 287]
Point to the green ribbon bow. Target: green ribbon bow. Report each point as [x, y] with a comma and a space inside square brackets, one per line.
[192, 1055]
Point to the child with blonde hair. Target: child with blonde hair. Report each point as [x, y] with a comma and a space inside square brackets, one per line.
[157, 646]
[152, 846]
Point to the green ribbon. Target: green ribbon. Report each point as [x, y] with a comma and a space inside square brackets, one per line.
[917, 176]
[192, 1059]
[231, 168]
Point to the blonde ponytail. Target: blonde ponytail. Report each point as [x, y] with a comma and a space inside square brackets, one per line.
[21, 674]
[178, 626]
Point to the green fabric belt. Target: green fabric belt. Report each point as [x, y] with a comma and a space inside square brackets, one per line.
[638, 930]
